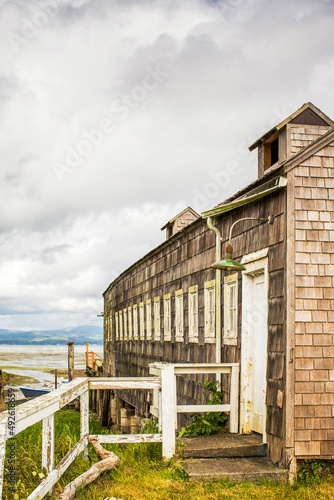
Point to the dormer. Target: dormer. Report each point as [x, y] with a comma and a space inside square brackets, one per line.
[183, 219]
[291, 135]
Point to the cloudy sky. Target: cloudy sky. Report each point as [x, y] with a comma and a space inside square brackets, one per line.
[117, 114]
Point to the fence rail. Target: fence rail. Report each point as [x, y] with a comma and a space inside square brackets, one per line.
[164, 407]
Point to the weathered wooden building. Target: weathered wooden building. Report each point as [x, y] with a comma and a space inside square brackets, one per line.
[275, 317]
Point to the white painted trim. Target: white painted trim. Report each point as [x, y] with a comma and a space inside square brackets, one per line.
[250, 257]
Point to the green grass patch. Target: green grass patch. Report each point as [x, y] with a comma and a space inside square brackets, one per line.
[142, 475]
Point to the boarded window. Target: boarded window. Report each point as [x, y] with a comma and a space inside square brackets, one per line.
[231, 309]
[142, 321]
[193, 314]
[116, 326]
[167, 318]
[210, 311]
[120, 316]
[129, 323]
[157, 318]
[148, 320]
[135, 322]
[125, 325]
[179, 316]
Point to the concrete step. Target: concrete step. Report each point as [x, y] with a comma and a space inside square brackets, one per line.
[222, 445]
[236, 469]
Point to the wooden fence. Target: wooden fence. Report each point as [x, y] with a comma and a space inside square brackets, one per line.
[15, 420]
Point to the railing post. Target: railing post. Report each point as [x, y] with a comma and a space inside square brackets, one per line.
[48, 441]
[84, 419]
[234, 400]
[168, 405]
[3, 438]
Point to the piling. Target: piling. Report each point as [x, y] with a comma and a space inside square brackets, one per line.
[70, 361]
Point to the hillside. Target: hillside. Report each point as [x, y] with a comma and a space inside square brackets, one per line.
[79, 335]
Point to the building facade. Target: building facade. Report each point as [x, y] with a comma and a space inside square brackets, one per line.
[275, 318]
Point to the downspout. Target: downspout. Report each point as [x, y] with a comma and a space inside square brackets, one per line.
[218, 290]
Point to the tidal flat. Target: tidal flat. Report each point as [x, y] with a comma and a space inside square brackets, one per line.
[35, 365]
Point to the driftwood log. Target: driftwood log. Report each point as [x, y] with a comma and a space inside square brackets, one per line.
[108, 462]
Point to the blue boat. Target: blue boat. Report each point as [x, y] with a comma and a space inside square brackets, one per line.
[28, 392]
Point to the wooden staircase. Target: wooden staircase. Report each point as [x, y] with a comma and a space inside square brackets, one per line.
[234, 456]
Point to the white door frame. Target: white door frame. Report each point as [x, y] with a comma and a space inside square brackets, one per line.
[254, 268]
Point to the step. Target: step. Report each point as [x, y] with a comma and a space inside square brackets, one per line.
[222, 445]
[250, 469]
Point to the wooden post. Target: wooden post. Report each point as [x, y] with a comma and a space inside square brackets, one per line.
[48, 439]
[87, 355]
[234, 400]
[56, 378]
[84, 419]
[168, 410]
[2, 394]
[70, 361]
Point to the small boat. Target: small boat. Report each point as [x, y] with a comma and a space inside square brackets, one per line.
[28, 392]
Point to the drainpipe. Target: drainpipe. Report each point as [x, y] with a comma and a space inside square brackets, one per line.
[217, 288]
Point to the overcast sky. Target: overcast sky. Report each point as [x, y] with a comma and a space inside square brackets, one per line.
[117, 114]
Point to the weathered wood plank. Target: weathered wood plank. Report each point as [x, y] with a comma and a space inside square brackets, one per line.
[48, 439]
[130, 383]
[48, 483]
[128, 438]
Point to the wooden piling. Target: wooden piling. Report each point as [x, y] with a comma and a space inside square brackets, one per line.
[70, 361]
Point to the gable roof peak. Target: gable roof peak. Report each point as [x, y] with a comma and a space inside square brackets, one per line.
[306, 109]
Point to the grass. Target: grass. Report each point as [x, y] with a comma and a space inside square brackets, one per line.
[142, 474]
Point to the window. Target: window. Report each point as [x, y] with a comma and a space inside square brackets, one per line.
[167, 318]
[231, 309]
[193, 313]
[148, 320]
[125, 326]
[109, 327]
[116, 326]
[120, 316]
[129, 323]
[135, 322]
[179, 316]
[141, 321]
[210, 311]
[157, 318]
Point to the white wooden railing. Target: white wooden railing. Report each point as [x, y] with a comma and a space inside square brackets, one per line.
[164, 407]
[199, 368]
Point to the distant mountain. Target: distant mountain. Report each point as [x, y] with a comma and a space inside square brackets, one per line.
[78, 334]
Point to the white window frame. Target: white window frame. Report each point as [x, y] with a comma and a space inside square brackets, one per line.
[148, 319]
[179, 323]
[157, 331]
[167, 317]
[116, 326]
[210, 311]
[231, 293]
[135, 322]
[141, 321]
[129, 323]
[193, 314]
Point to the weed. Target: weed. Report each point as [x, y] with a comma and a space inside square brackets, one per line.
[310, 471]
[210, 422]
